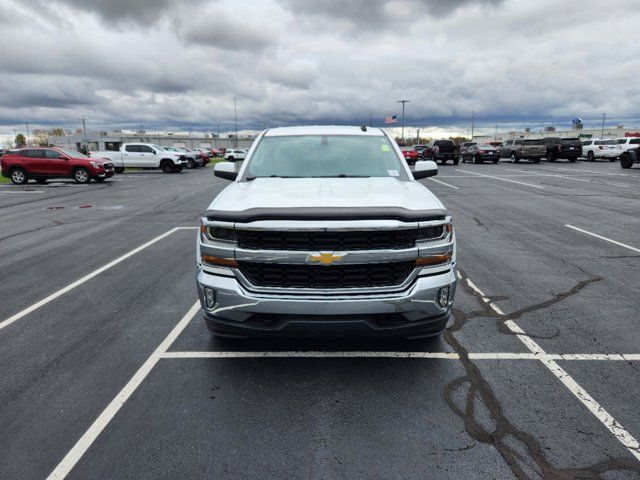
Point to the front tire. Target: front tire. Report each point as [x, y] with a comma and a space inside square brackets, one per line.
[477, 160]
[591, 157]
[119, 169]
[456, 161]
[191, 163]
[166, 166]
[19, 176]
[514, 158]
[626, 161]
[81, 175]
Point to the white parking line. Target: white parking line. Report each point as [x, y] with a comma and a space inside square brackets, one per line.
[618, 357]
[580, 393]
[83, 444]
[499, 178]
[71, 286]
[591, 171]
[441, 182]
[588, 180]
[603, 238]
[13, 192]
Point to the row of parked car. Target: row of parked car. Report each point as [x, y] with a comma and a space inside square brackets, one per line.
[551, 148]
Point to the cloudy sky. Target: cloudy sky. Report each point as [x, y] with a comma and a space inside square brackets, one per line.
[177, 65]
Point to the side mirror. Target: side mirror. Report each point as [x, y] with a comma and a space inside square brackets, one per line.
[226, 170]
[424, 169]
[63, 158]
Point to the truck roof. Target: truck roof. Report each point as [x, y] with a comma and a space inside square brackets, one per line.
[323, 130]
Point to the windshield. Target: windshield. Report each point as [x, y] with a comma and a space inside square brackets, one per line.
[72, 153]
[569, 141]
[158, 147]
[325, 156]
[606, 142]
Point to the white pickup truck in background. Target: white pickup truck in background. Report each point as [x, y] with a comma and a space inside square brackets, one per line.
[143, 155]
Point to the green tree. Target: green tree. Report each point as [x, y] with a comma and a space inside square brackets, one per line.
[56, 132]
[20, 141]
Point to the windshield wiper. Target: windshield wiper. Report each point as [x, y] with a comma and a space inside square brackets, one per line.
[342, 175]
[272, 176]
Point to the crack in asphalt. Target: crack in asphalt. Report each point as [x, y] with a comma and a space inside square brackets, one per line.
[504, 433]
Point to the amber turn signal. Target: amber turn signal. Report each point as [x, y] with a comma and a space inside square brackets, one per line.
[219, 261]
[434, 260]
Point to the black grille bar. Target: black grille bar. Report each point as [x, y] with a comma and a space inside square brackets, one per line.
[336, 240]
[318, 276]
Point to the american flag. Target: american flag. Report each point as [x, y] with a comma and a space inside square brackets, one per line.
[391, 119]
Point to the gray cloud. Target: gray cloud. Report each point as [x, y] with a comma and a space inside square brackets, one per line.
[287, 61]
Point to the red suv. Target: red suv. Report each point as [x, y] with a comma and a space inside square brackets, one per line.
[42, 163]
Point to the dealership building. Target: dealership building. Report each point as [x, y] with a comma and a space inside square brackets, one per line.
[112, 141]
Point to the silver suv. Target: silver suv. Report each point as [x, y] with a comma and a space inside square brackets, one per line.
[324, 231]
[523, 149]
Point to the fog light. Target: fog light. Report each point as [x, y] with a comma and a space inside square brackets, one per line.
[443, 297]
[209, 297]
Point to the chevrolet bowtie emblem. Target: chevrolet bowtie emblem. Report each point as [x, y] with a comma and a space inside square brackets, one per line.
[325, 258]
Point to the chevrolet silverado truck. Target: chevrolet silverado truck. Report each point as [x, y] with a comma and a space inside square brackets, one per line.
[520, 149]
[143, 155]
[324, 231]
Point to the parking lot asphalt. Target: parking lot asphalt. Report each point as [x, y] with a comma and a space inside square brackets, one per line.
[107, 369]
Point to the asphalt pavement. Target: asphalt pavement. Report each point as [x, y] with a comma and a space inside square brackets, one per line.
[107, 369]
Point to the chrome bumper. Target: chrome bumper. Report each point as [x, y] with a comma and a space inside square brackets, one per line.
[236, 303]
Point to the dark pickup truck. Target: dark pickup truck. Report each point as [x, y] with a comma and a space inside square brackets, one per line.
[441, 150]
[566, 148]
[628, 158]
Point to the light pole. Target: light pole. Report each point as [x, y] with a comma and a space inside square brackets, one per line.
[604, 116]
[403, 102]
[473, 124]
[235, 114]
[27, 124]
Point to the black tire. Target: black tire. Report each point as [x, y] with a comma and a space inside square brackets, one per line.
[231, 159]
[443, 161]
[41, 181]
[514, 158]
[177, 169]
[551, 157]
[19, 176]
[573, 159]
[166, 166]
[535, 160]
[456, 161]
[191, 163]
[119, 169]
[495, 160]
[81, 175]
[477, 160]
[591, 157]
[626, 161]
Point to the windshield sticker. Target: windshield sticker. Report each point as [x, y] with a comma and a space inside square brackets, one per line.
[385, 148]
[393, 173]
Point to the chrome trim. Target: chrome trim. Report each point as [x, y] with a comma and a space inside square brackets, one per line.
[350, 257]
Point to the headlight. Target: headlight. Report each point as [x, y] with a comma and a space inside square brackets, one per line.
[218, 234]
[96, 164]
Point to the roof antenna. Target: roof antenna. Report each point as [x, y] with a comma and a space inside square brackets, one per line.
[363, 127]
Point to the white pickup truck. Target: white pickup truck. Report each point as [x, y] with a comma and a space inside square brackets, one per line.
[143, 155]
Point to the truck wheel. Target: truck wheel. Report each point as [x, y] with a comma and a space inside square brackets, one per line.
[81, 175]
[514, 158]
[19, 176]
[495, 160]
[166, 166]
[119, 169]
[591, 157]
[625, 161]
[551, 157]
[477, 160]
[535, 160]
[456, 160]
[572, 159]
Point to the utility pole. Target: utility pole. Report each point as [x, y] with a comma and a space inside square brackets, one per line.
[84, 132]
[495, 137]
[417, 136]
[604, 116]
[27, 124]
[403, 102]
[235, 113]
[218, 139]
[473, 124]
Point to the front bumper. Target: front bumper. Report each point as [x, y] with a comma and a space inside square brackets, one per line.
[413, 312]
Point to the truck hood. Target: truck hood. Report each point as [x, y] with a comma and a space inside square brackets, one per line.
[273, 193]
